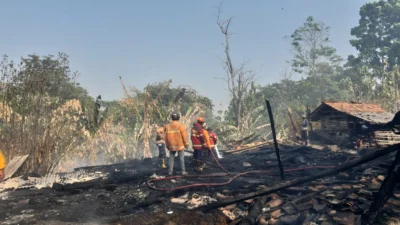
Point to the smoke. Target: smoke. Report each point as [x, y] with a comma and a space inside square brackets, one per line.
[69, 164]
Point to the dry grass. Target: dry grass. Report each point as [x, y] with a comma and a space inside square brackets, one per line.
[40, 119]
[56, 138]
[45, 139]
[129, 130]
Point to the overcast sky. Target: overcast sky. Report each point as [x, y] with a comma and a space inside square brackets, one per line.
[150, 41]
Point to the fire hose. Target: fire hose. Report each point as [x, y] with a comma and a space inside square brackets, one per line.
[222, 175]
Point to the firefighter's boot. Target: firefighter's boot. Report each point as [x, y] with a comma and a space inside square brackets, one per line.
[203, 165]
[162, 163]
[198, 166]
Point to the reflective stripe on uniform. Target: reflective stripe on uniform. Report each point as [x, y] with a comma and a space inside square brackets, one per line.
[176, 146]
[173, 131]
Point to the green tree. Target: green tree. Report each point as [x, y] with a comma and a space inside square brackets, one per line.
[378, 44]
[42, 92]
[312, 54]
[313, 57]
[253, 117]
[378, 35]
[358, 80]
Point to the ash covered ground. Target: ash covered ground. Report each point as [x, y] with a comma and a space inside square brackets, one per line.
[119, 194]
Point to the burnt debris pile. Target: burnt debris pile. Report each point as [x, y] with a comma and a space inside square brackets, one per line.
[322, 185]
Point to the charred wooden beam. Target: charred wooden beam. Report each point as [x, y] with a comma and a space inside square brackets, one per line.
[241, 141]
[305, 198]
[271, 118]
[250, 148]
[126, 164]
[338, 182]
[343, 167]
[107, 183]
[289, 150]
[385, 192]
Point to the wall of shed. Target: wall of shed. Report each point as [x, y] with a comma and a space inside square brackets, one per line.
[333, 126]
[384, 138]
[339, 128]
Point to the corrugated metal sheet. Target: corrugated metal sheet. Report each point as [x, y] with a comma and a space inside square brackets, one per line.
[378, 118]
[50, 179]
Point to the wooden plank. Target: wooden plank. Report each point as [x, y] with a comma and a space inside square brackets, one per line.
[14, 165]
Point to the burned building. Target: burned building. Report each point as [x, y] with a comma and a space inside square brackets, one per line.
[347, 123]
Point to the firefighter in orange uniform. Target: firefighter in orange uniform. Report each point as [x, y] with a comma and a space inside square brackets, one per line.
[197, 137]
[176, 140]
[160, 140]
[213, 141]
[206, 145]
[2, 165]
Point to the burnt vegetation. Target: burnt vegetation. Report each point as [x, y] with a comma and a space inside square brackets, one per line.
[46, 114]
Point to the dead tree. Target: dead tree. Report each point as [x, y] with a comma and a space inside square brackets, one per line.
[238, 79]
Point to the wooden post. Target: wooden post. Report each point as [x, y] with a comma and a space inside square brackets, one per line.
[385, 192]
[271, 118]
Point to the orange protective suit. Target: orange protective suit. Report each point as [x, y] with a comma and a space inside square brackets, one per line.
[213, 139]
[176, 138]
[3, 162]
[160, 136]
[207, 143]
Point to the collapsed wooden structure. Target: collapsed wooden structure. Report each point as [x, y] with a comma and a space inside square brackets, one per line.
[346, 123]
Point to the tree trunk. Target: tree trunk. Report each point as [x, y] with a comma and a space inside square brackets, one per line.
[238, 112]
[294, 127]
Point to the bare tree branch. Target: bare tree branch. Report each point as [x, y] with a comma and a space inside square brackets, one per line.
[238, 79]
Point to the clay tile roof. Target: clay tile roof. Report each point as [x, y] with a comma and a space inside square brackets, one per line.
[371, 113]
[351, 108]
